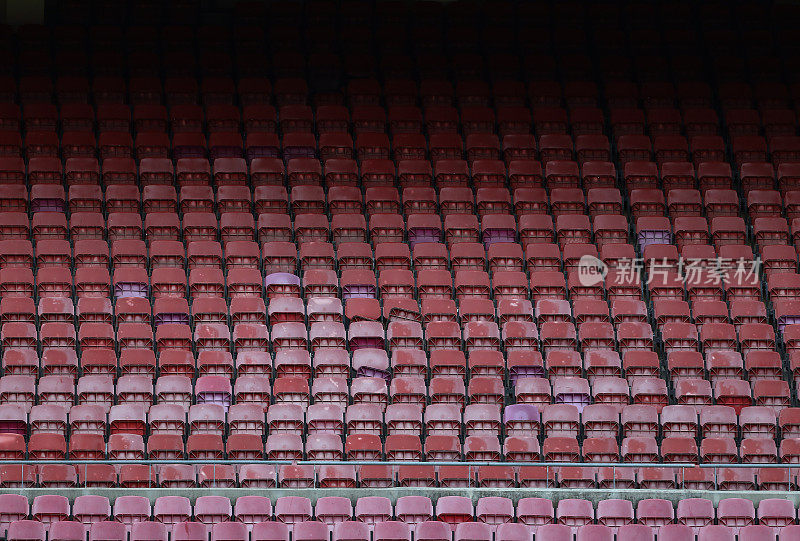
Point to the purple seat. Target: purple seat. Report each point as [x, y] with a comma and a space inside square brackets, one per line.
[282, 284]
[371, 362]
[521, 419]
[573, 391]
[652, 230]
[128, 283]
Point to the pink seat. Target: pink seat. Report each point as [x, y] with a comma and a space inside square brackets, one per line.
[131, 510]
[695, 513]
[229, 531]
[574, 513]
[391, 530]
[171, 510]
[292, 509]
[148, 531]
[107, 531]
[676, 532]
[15, 508]
[595, 531]
[716, 532]
[270, 531]
[555, 532]
[473, 531]
[189, 531]
[373, 509]
[614, 513]
[26, 530]
[494, 511]
[433, 530]
[350, 531]
[413, 509]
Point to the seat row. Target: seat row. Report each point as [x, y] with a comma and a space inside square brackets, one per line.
[450, 147]
[562, 196]
[396, 283]
[407, 124]
[772, 98]
[477, 112]
[508, 87]
[408, 413]
[640, 368]
[24, 530]
[495, 221]
[400, 447]
[522, 171]
[745, 315]
[353, 229]
[511, 365]
[401, 334]
[501, 475]
[451, 514]
[487, 369]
